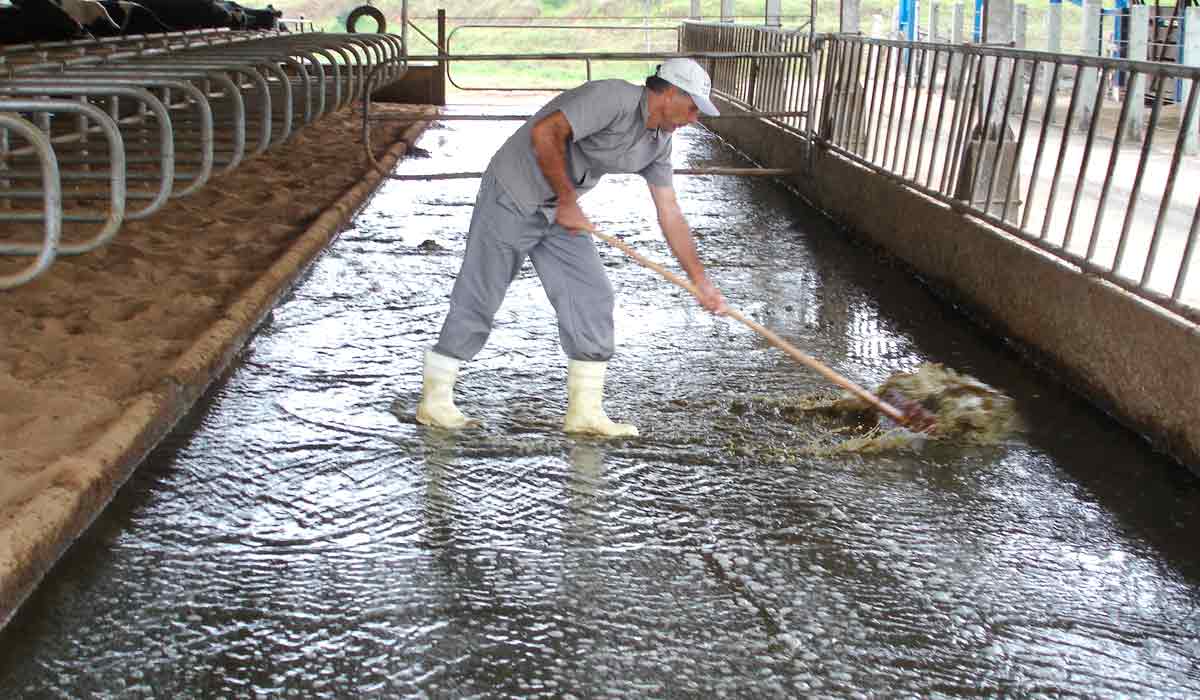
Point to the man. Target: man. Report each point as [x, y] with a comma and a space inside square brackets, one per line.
[528, 205]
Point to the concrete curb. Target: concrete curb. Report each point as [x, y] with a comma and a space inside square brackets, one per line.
[77, 488]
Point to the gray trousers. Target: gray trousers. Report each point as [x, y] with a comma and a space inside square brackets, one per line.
[500, 239]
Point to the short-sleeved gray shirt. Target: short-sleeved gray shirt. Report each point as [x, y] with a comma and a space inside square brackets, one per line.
[609, 135]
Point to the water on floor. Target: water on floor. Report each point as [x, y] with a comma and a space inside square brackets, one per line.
[295, 536]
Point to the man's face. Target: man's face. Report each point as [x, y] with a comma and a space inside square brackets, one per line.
[680, 110]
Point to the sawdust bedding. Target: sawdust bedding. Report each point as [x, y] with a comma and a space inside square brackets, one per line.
[81, 341]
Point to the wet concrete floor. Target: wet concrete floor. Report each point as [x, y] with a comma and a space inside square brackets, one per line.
[294, 537]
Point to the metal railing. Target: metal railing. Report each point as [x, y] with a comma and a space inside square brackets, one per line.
[754, 82]
[172, 109]
[1027, 141]
[1109, 187]
[12, 128]
[709, 56]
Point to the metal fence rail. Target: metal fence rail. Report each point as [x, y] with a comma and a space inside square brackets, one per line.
[754, 82]
[172, 110]
[90, 118]
[1028, 141]
[13, 128]
[80, 163]
[709, 56]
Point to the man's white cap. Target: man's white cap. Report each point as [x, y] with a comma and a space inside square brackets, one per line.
[687, 75]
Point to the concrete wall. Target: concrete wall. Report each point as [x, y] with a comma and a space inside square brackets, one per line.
[421, 85]
[1132, 359]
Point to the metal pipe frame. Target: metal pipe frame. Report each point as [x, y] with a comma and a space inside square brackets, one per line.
[1131, 208]
[896, 130]
[51, 199]
[755, 80]
[616, 56]
[523, 117]
[116, 151]
[355, 52]
[1012, 178]
[47, 50]
[266, 119]
[735, 172]
[278, 91]
[1118, 137]
[1001, 128]
[177, 104]
[165, 176]
[194, 130]
[91, 52]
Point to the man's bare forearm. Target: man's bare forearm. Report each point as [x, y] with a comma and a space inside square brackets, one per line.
[675, 229]
[683, 246]
[550, 136]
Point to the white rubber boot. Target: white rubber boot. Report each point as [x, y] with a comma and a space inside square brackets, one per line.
[585, 392]
[437, 396]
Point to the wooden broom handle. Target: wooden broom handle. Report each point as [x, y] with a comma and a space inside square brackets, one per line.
[773, 337]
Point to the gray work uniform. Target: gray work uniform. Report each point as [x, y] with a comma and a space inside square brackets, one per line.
[514, 219]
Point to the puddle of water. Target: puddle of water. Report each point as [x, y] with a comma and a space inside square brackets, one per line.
[294, 536]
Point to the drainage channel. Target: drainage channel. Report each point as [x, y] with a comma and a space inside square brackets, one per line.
[299, 534]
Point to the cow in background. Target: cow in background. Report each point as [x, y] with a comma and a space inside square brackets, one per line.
[60, 20]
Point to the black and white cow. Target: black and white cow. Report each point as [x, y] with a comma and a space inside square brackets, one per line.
[57, 20]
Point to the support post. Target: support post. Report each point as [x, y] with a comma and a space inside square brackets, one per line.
[907, 18]
[1138, 32]
[999, 21]
[439, 88]
[1020, 25]
[1020, 79]
[1053, 38]
[695, 11]
[999, 24]
[933, 37]
[957, 35]
[1089, 78]
[404, 26]
[850, 17]
[727, 11]
[773, 18]
[1190, 44]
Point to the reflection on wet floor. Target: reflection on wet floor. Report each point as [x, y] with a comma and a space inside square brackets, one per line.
[299, 533]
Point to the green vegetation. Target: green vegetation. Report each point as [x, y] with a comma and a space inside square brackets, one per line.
[643, 26]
